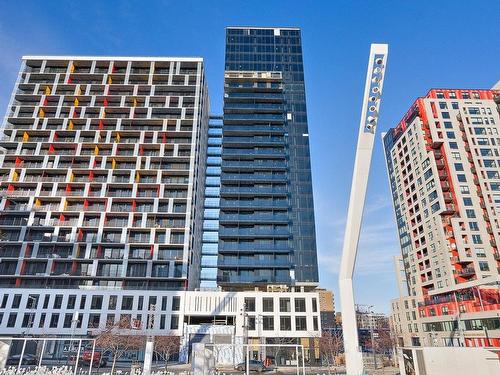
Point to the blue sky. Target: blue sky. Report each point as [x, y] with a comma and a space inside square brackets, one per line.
[432, 44]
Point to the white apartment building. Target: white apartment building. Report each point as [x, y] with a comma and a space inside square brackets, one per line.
[102, 178]
[444, 171]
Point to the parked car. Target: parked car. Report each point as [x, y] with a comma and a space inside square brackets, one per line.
[253, 365]
[28, 359]
[100, 358]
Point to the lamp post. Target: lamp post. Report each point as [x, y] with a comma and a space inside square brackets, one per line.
[364, 149]
[371, 322]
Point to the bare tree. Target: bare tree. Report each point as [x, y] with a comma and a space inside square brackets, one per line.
[166, 346]
[331, 344]
[117, 339]
[385, 342]
[280, 348]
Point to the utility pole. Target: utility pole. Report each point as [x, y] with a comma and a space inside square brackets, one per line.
[364, 149]
[148, 352]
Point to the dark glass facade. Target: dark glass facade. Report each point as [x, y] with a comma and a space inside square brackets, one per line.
[280, 50]
[255, 219]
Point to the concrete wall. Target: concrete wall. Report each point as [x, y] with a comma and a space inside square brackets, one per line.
[449, 361]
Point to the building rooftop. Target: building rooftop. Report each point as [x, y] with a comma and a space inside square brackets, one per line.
[115, 58]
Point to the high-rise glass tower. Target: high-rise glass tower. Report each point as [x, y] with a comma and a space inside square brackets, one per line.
[274, 100]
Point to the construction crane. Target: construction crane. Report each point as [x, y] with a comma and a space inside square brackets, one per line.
[364, 149]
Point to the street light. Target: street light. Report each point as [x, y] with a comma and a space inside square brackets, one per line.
[366, 135]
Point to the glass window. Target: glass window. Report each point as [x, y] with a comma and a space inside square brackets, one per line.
[112, 302]
[315, 323]
[285, 323]
[176, 303]
[251, 323]
[71, 302]
[267, 305]
[16, 301]
[127, 302]
[315, 305]
[174, 322]
[11, 322]
[249, 304]
[285, 305]
[268, 323]
[300, 305]
[54, 320]
[300, 323]
[96, 303]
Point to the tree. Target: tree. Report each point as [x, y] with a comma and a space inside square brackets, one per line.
[117, 339]
[166, 346]
[385, 342]
[331, 344]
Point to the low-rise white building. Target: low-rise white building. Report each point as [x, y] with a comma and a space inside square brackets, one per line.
[196, 316]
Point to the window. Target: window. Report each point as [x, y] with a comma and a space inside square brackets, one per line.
[67, 320]
[450, 135]
[127, 302]
[445, 114]
[473, 226]
[483, 266]
[71, 302]
[54, 321]
[58, 302]
[152, 302]
[459, 166]
[300, 323]
[82, 302]
[96, 303]
[454, 145]
[16, 301]
[41, 323]
[285, 305]
[94, 320]
[467, 201]
[12, 320]
[315, 323]
[315, 305]
[164, 302]
[176, 303]
[268, 323]
[32, 301]
[249, 304]
[470, 213]
[476, 238]
[285, 323]
[464, 189]
[112, 302]
[300, 305]
[435, 207]
[267, 305]
[461, 178]
[480, 253]
[174, 322]
[251, 323]
[140, 303]
[28, 320]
